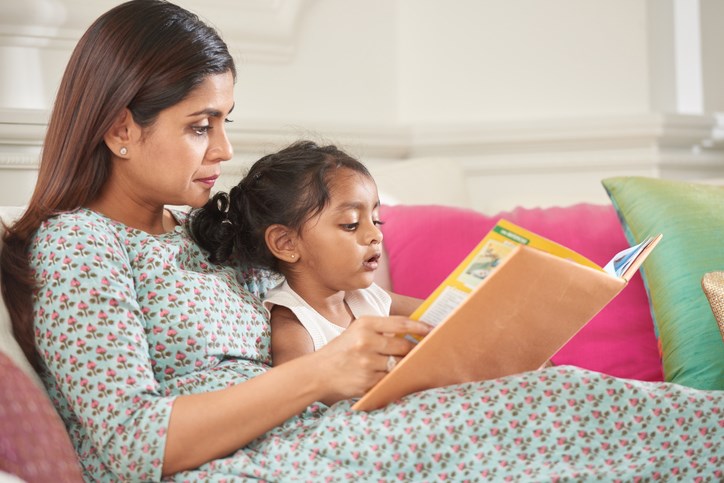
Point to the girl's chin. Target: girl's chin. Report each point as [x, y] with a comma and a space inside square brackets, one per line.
[364, 282]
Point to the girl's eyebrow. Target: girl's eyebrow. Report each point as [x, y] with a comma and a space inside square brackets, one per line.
[354, 205]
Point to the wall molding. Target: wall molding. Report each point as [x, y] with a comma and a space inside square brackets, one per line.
[262, 31]
[35, 23]
[667, 141]
[542, 162]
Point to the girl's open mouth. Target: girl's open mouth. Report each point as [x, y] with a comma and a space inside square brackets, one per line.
[372, 263]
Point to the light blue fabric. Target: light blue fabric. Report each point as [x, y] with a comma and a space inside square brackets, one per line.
[126, 322]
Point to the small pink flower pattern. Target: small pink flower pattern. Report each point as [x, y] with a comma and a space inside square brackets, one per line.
[125, 322]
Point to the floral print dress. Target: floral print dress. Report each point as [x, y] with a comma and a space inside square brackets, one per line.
[126, 321]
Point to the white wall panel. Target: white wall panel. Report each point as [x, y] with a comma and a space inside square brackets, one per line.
[481, 103]
[522, 59]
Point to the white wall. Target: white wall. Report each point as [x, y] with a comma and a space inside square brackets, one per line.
[522, 59]
[481, 103]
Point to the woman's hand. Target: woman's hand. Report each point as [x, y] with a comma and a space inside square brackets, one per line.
[354, 361]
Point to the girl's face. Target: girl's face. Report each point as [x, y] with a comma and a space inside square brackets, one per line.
[177, 160]
[339, 249]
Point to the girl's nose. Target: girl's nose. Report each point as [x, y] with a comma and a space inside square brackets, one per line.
[375, 235]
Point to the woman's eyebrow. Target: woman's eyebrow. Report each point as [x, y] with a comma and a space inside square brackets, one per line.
[211, 112]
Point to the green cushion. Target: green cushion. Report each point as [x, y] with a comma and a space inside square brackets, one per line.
[691, 218]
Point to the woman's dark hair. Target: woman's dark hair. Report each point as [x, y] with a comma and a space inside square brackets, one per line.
[144, 55]
[287, 188]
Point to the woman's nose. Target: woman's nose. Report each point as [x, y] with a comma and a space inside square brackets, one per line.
[222, 148]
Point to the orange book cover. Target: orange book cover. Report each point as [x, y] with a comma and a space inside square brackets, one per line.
[517, 317]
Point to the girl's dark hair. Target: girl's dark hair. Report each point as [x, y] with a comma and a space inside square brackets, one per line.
[287, 188]
[144, 55]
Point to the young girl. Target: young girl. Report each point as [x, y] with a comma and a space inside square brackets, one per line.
[310, 213]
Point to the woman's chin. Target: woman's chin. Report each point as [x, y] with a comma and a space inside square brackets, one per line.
[198, 201]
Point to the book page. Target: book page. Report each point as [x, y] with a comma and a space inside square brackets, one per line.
[626, 262]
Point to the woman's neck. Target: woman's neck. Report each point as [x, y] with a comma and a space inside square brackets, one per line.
[135, 214]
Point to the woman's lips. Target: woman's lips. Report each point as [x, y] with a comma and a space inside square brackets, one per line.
[210, 181]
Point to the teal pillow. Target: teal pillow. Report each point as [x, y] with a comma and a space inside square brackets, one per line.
[691, 218]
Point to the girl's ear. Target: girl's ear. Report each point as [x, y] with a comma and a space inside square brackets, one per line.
[281, 241]
[118, 137]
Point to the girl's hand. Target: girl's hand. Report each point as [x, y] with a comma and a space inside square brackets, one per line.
[354, 361]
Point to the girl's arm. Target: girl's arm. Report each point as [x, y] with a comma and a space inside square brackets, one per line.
[403, 305]
[289, 338]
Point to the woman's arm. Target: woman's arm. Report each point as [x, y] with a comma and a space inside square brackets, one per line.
[346, 367]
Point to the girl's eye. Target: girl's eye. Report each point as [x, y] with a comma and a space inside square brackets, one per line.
[228, 121]
[201, 130]
[349, 226]
[378, 222]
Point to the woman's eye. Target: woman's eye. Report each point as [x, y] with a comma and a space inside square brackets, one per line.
[349, 226]
[228, 121]
[200, 130]
[378, 222]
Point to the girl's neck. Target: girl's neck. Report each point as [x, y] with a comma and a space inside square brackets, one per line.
[329, 304]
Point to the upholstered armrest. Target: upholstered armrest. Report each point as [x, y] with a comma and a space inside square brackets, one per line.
[8, 346]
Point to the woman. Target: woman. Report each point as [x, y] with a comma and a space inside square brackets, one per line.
[158, 360]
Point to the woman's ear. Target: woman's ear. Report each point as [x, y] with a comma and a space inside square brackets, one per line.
[118, 137]
[281, 242]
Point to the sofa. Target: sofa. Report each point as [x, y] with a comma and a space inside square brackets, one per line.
[34, 445]
[667, 324]
[423, 244]
[662, 326]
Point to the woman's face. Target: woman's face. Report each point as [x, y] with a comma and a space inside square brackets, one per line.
[176, 161]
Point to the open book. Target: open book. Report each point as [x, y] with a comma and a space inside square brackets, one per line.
[511, 304]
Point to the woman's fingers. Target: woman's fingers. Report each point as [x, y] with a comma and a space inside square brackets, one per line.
[384, 335]
[391, 362]
[393, 345]
[395, 325]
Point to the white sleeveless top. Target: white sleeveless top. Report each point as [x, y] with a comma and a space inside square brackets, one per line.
[370, 301]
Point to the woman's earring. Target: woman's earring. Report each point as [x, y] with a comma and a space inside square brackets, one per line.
[123, 150]
[293, 256]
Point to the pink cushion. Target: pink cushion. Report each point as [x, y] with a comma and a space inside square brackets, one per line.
[425, 243]
[33, 442]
